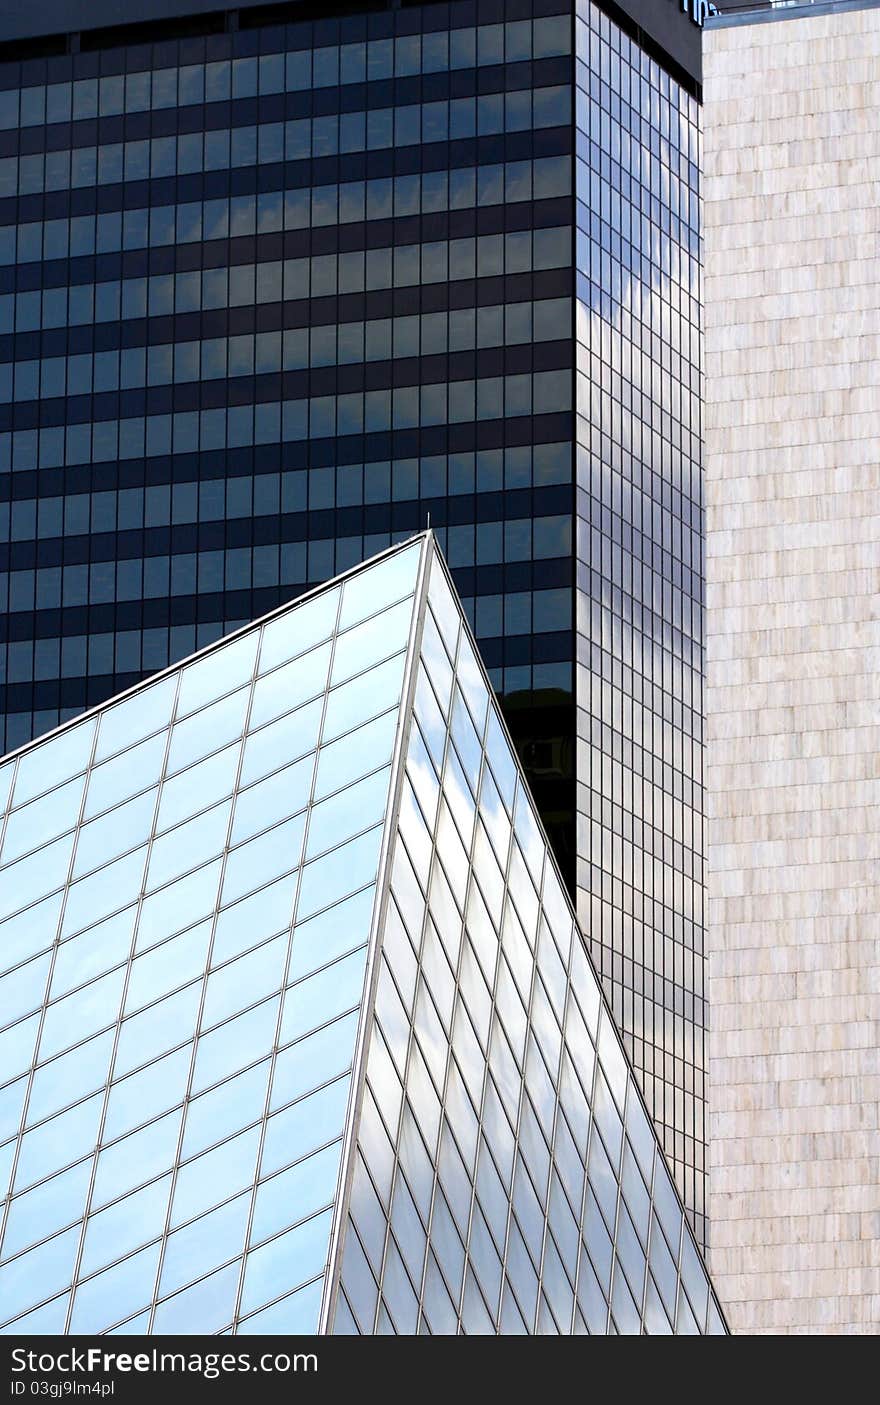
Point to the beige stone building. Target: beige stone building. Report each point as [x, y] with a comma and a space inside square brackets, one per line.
[792, 296]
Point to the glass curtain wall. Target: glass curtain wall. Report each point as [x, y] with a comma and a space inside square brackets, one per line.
[640, 571]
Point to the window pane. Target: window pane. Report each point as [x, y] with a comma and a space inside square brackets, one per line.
[136, 1159]
[296, 1193]
[294, 1257]
[103, 892]
[245, 981]
[61, 1082]
[120, 829]
[206, 1243]
[42, 819]
[53, 761]
[156, 1030]
[261, 915]
[340, 872]
[347, 812]
[323, 996]
[366, 644]
[273, 799]
[225, 1109]
[345, 760]
[49, 1207]
[204, 1308]
[291, 634]
[208, 730]
[172, 964]
[145, 1095]
[58, 1143]
[115, 1294]
[283, 741]
[135, 718]
[220, 672]
[372, 693]
[257, 862]
[215, 1176]
[313, 1061]
[235, 1045]
[29, 879]
[39, 1273]
[312, 1122]
[188, 846]
[286, 688]
[134, 770]
[373, 589]
[133, 1221]
[198, 787]
[332, 932]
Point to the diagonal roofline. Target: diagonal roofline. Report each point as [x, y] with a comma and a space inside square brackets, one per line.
[425, 533]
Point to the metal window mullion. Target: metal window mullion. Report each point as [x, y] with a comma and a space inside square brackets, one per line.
[471, 878]
[524, 1088]
[120, 1018]
[435, 858]
[582, 1247]
[396, 1168]
[4, 821]
[45, 1003]
[333, 1267]
[420, 980]
[593, 1131]
[495, 1015]
[558, 1107]
[655, 1227]
[413, 670]
[459, 996]
[187, 1097]
[640, 1303]
[273, 1052]
[121, 1007]
[616, 1266]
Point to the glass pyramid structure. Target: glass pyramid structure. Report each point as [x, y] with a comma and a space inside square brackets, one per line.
[297, 1030]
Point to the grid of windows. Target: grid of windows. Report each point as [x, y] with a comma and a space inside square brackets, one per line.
[187, 883]
[269, 301]
[195, 891]
[640, 574]
[506, 1177]
[273, 299]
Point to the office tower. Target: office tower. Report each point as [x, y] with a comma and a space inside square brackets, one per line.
[280, 286]
[793, 317]
[639, 568]
[328, 1053]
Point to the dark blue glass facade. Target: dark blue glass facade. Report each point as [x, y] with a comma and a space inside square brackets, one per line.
[272, 299]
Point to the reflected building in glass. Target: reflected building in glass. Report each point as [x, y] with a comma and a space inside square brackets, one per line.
[280, 286]
[304, 1035]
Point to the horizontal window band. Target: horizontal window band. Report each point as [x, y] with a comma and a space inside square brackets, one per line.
[249, 532]
[523, 431]
[293, 314]
[291, 175]
[185, 119]
[265, 247]
[361, 377]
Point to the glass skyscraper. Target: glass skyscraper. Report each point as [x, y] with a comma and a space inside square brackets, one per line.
[300, 1033]
[280, 286]
[639, 553]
